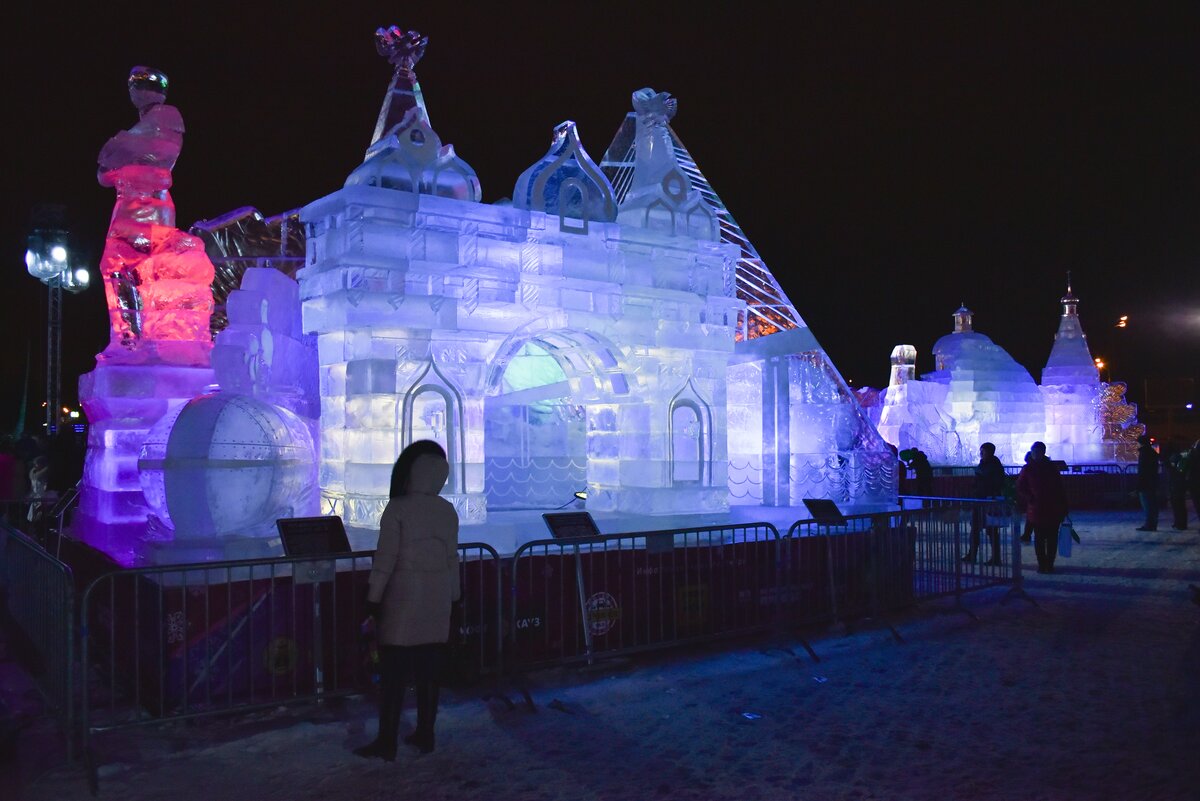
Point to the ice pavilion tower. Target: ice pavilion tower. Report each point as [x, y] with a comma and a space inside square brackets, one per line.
[1071, 388]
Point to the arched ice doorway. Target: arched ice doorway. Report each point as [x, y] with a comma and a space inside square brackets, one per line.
[536, 416]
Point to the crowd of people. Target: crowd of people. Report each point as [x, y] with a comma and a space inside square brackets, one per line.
[1040, 493]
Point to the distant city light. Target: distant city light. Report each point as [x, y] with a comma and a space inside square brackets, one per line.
[1123, 321]
[1187, 406]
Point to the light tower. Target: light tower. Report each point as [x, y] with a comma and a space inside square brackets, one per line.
[48, 259]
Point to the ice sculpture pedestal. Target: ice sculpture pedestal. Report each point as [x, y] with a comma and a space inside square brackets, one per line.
[122, 402]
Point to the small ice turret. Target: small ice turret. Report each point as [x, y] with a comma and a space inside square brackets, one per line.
[904, 365]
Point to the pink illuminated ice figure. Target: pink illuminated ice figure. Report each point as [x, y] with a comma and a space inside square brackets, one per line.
[157, 279]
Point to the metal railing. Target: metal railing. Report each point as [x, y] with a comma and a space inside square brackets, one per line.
[182, 641]
[575, 600]
[40, 599]
[1088, 486]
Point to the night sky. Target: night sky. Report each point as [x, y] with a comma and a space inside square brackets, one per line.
[889, 162]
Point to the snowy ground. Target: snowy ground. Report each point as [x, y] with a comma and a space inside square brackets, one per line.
[1094, 693]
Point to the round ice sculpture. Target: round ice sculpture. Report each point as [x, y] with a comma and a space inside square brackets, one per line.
[227, 465]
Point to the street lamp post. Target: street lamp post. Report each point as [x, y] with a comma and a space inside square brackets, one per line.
[49, 260]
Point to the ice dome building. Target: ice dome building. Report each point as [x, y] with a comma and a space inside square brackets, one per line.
[979, 393]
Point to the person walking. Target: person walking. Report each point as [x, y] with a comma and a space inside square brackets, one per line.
[1175, 460]
[1147, 483]
[414, 582]
[1041, 486]
[989, 483]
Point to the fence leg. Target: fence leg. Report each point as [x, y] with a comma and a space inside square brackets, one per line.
[877, 571]
[1017, 590]
[958, 574]
[583, 610]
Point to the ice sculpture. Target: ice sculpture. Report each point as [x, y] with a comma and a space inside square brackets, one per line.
[406, 153]
[227, 465]
[157, 278]
[660, 194]
[1071, 388]
[157, 286]
[566, 182]
[535, 340]
[978, 393]
[990, 397]
[611, 329]
[794, 428]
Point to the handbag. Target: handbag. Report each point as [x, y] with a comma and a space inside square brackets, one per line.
[1066, 537]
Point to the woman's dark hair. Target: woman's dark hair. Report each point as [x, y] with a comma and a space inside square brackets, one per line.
[402, 470]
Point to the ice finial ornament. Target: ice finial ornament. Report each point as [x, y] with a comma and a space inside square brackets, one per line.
[405, 153]
[661, 196]
[568, 183]
[402, 49]
[157, 279]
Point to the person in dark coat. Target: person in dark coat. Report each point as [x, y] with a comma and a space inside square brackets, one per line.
[1175, 460]
[1027, 534]
[1193, 475]
[1040, 485]
[989, 483]
[1147, 482]
[924, 473]
[414, 582]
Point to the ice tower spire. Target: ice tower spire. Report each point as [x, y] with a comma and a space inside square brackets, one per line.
[403, 49]
[406, 154]
[1070, 359]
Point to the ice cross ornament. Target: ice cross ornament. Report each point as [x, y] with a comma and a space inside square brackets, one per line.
[157, 279]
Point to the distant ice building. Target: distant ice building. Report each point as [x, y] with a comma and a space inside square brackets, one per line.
[978, 393]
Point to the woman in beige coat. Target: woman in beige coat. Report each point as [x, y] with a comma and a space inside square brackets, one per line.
[414, 580]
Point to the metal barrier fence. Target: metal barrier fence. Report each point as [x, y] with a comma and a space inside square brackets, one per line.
[574, 600]
[183, 641]
[14, 513]
[41, 603]
[1088, 486]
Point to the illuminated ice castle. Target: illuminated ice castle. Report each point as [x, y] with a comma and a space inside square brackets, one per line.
[609, 330]
[978, 393]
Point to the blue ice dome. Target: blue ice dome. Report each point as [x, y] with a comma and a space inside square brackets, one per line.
[991, 397]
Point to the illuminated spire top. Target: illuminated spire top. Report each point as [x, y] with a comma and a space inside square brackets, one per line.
[1070, 359]
[1069, 301]
[403, 49]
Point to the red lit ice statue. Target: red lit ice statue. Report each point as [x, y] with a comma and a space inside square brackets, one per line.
[157, 282]
[157, 279]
